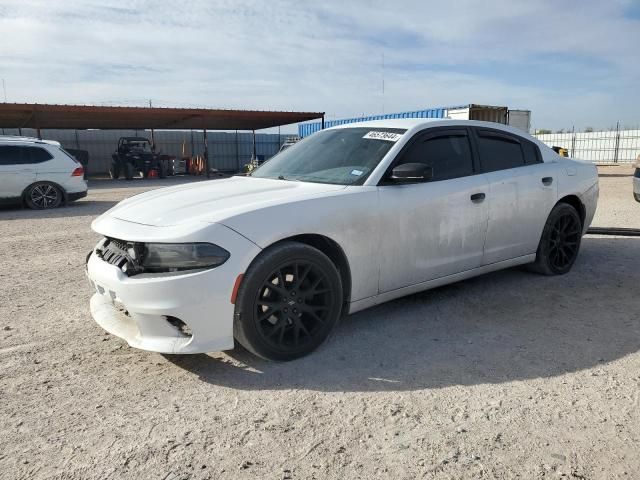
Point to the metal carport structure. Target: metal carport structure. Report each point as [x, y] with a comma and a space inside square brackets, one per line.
[83, 117]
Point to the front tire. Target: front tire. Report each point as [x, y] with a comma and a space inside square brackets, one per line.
[43, 196]
[560, 241]
[114, 171]
[289, 302]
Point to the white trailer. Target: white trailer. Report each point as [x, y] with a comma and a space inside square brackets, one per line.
[520, 119]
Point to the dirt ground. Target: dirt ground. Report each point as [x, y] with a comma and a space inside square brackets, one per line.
[509, 375]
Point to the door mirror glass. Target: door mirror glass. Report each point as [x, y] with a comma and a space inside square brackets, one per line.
[412, 173]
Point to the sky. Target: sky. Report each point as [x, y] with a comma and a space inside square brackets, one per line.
[572, 63]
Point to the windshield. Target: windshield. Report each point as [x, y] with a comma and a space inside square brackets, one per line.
[343, 156]
[140, 147]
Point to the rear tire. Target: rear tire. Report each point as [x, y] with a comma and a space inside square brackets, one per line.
[128, 171]
[43, 196]
[162, 169]
[560, 241]
[288, 303]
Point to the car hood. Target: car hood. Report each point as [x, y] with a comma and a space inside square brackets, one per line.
[212, 201]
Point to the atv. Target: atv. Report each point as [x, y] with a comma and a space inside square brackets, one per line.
[136, 155]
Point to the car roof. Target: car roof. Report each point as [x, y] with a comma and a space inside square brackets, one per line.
[27, 140]
[415, 124]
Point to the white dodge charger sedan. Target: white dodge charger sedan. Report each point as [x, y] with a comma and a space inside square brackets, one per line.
[348, 218]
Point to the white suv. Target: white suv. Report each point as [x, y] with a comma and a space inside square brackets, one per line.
[38, 173]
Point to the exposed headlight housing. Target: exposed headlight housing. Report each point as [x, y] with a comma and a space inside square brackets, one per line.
[134, 258]
[173, 257]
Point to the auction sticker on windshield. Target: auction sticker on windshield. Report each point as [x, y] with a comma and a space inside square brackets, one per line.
[388, 136]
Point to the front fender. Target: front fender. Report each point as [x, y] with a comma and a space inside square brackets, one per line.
[350, 218]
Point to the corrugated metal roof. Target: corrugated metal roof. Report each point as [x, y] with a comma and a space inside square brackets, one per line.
[16, 115]
[306, 129]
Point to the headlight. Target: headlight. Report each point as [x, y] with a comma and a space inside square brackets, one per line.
[173, 257]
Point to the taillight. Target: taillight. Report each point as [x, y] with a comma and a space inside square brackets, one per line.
[78, 172]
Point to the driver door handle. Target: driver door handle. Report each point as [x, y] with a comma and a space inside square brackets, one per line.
[547, 181]
[477, 197]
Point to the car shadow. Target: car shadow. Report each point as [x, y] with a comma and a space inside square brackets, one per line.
[501, 327]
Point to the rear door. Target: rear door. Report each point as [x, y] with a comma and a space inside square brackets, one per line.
[436, 228]
[522, 192]
[16, 172]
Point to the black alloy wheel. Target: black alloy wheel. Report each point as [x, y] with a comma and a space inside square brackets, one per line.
[564, 241]
[288, 303]
[293, 304]
[560, 242]
[42, 196]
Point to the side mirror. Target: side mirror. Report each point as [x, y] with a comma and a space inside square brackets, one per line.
[412, 173]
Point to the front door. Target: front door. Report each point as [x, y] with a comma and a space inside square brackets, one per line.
[437, 228]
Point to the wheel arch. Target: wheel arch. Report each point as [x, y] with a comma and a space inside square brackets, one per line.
[576, 203]
[23, 196]
[331, 249]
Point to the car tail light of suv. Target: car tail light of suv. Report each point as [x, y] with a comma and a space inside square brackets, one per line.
[78, 172]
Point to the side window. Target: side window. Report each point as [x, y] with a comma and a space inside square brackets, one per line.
[498, 151]
[448, 154]
[10, 155]
[531, 153]
[36, 155]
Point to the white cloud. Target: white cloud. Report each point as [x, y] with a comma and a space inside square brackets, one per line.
[572, 63]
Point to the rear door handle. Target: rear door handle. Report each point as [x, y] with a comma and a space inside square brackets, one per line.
[547, 181]
[477, 197]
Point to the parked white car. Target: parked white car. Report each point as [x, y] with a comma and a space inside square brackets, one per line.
[38, 173]
[348, 218]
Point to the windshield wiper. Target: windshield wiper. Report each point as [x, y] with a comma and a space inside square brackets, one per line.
[288, 179]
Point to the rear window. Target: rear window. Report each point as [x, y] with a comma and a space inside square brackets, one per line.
[37, 155]
[499, 152]
[531, 153]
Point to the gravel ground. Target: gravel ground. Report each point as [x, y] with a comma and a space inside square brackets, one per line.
[616, 206]
[510, 375]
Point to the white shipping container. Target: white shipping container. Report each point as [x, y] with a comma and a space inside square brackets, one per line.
[458, 113]
[484, 113]
[520, 119]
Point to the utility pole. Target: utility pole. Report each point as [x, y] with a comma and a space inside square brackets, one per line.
[383, 83]
[153, 135]
[4, 89]
[617, 148]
